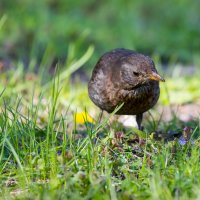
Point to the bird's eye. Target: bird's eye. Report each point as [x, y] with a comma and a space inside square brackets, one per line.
[136, 73]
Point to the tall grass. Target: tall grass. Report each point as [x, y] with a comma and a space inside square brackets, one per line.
[63, 160]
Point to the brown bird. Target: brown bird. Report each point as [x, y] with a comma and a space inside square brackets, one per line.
[124, 76]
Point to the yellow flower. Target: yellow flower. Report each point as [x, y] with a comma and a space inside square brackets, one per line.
[83, 117]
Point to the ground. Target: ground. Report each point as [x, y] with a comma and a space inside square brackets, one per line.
[53, 147]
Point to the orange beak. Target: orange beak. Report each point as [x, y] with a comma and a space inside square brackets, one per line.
[156, 77]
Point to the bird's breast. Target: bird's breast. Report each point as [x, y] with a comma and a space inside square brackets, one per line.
[138, 100]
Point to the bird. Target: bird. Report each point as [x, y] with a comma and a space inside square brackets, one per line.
[123, 76]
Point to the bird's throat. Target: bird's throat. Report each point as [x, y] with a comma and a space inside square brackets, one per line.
[139, 91]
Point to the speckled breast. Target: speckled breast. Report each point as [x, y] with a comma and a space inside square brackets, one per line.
[139, 101]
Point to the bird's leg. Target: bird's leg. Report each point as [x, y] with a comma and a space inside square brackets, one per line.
[100, 117]
[139, 120]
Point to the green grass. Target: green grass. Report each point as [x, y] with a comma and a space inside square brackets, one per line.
[45, 154]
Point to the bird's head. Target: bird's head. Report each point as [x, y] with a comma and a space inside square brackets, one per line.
[137, 70]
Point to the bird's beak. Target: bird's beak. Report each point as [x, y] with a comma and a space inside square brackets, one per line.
[156, 77]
